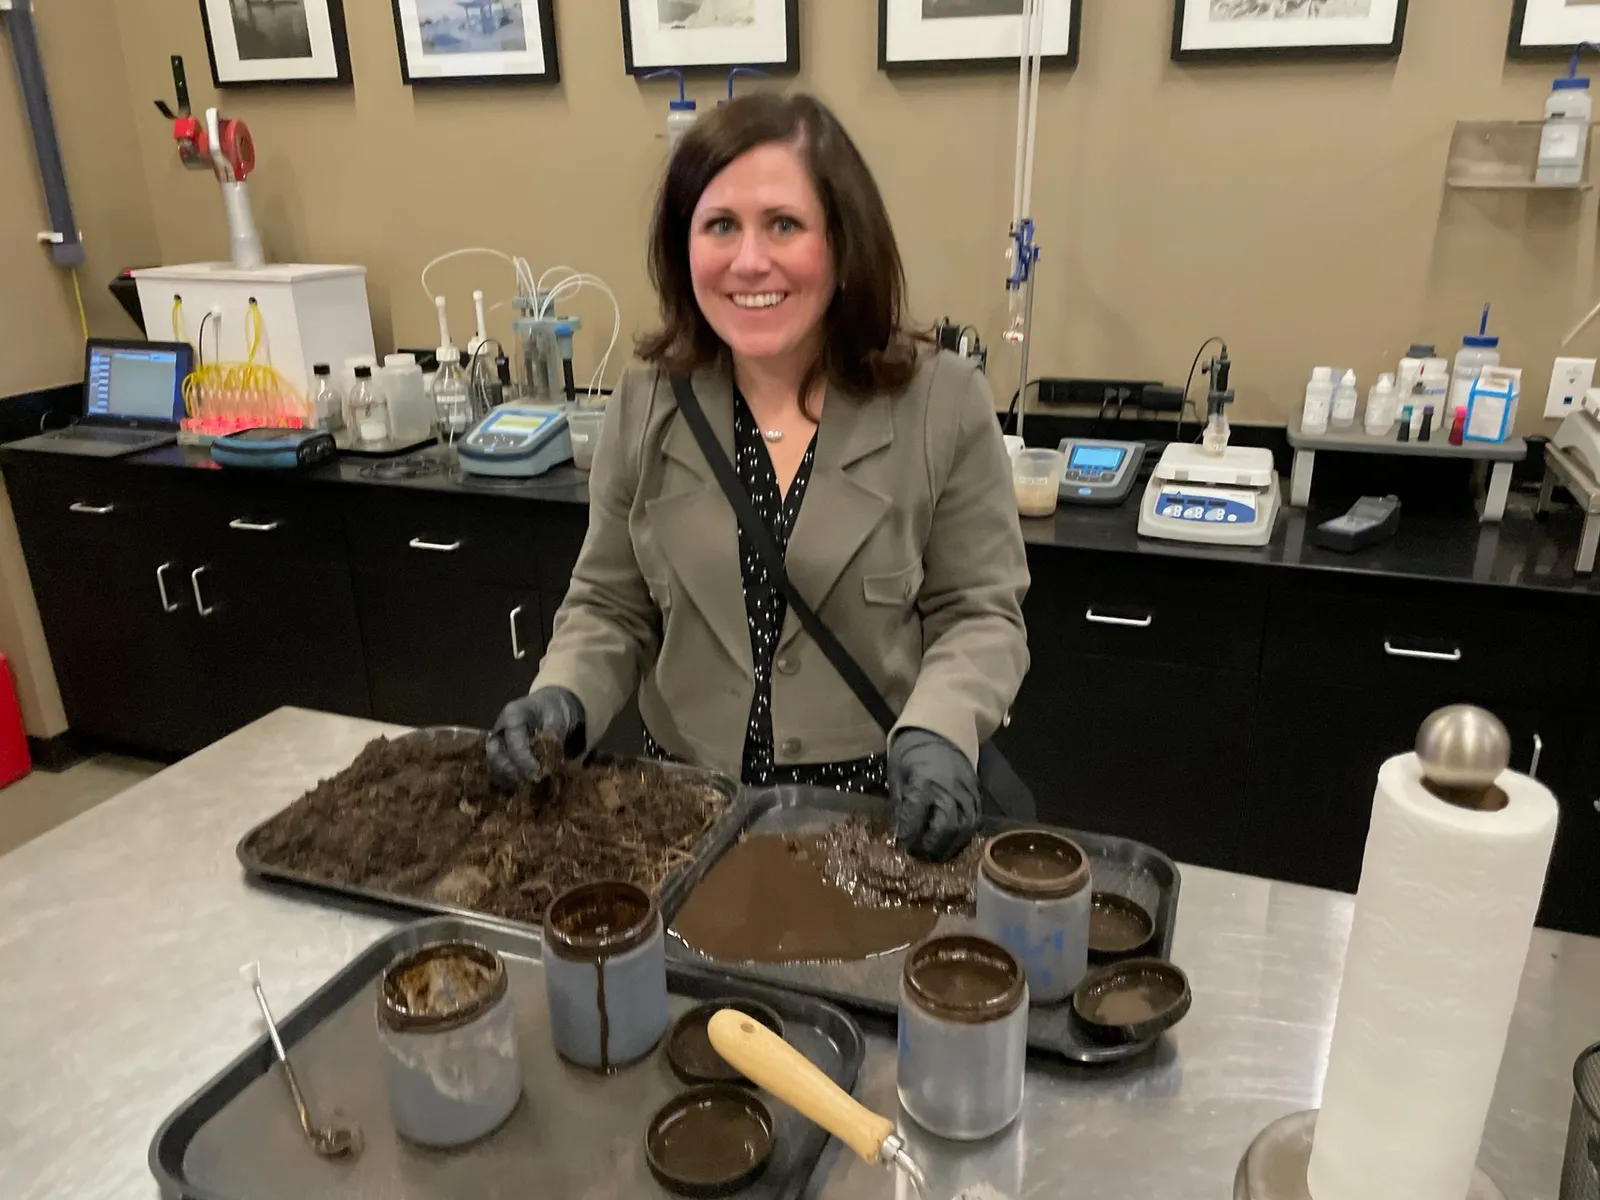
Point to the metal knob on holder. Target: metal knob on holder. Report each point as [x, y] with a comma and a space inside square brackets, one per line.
[1463, 749]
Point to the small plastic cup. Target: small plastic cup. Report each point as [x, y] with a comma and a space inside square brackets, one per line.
[584, 425]
[1036, 477]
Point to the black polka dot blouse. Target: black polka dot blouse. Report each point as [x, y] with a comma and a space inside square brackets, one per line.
[766, 608]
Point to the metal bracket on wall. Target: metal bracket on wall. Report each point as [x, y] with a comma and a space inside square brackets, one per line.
[16, 16]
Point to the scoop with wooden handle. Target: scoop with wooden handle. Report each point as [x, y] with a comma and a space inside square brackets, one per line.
[768, 1061]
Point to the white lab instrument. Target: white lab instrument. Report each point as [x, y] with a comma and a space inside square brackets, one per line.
[1230, 499]
[1572, 459]
[1564, 140]
[1099, 472]
[517, 440]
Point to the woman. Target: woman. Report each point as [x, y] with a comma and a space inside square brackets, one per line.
[876, 465]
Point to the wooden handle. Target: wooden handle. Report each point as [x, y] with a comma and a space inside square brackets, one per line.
[770, 1062]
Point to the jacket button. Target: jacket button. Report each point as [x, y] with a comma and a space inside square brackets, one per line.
[791, 747]
[788, 664]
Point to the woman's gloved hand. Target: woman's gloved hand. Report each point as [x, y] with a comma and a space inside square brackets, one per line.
[936, 795]
[551, 710]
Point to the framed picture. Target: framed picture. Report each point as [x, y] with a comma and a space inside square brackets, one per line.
[941, 34]
[276, 41]
[711, 33]
[476, 41]
[1245, 29]
[1552, 28]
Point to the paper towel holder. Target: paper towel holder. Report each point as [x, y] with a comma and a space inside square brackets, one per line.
[1463, 749]
[1274, 1168]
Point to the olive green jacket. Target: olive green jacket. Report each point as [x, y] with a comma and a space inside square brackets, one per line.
[907, 545]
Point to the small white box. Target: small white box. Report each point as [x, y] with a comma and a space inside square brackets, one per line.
[1569, 382]
[311, 314]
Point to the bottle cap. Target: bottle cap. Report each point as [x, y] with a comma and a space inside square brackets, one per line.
[1349, 377]
[1420, 350]
[322, 369]
[681, 105]
[363, 372]
[1569, 84]
[1321, 374]
[1386, 380]
[1480, 341]
[399, 360]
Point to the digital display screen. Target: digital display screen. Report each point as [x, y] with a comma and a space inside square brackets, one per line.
[1107, 458]
[521, 422]
[126, 382]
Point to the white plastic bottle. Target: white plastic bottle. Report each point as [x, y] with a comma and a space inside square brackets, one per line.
[1319, 401]
[1382, 402]
[1412, 366]
[1477, 351]
[1564, 141]
[681, 117]
[1345, 400]
[410, 412]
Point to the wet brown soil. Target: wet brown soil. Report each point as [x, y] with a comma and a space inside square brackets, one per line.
[421, 817]
[861, 857]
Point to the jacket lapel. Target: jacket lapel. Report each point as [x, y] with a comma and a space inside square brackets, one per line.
[695, 526]
[840, 510]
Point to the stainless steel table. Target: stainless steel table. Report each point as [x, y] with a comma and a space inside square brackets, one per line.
[121, 934]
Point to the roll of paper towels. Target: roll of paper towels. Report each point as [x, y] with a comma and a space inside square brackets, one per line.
[1444, 915]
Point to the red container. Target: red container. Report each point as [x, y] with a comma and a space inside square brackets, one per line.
[14, 760]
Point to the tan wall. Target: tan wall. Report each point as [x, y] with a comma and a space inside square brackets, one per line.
[41, 343]
[1297, 209]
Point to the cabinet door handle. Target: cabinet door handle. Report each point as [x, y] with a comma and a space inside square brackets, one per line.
[417, 543]
[1538, 753]
[1447, 656]
[1143, 622]
[194, 582]
[253, 527]
[161, 585]
[92, 510]
[517, 651]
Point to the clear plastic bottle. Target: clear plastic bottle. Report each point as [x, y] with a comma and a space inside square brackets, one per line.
[1564, 141]
[410, 410]
[1382, 402]
[1345, 400]
[368, 410]
[1319, 401]
[452, 399]
[327, 405]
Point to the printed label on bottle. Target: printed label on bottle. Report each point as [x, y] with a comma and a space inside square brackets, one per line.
[1562, 141]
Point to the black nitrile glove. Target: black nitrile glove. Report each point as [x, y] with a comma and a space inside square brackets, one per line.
[936, 795]
[551, 710]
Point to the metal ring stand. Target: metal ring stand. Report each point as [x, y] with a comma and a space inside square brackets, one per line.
[1274, 1168]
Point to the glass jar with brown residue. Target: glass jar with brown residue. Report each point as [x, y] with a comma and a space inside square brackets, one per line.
[605, 974]
[963, 1036]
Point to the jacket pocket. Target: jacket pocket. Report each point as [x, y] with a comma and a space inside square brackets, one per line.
[898, 588]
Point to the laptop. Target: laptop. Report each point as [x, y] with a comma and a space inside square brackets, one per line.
[132, 400]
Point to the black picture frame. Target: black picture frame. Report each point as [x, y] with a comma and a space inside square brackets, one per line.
[951, 66]
[1515, 48]
[1285, 53]
[788, 66]
[547, 40]
[342, 76]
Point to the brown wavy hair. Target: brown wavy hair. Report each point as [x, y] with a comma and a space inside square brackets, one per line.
[866, 346]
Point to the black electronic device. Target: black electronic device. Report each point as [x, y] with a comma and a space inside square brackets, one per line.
[132, 400]
[1372, 519]
[1099, 472]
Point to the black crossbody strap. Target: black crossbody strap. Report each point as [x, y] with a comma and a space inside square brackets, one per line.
[755, 530]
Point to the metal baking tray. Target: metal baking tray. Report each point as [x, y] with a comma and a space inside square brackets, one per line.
[872, 986]
[669, 897]
[576, 1133]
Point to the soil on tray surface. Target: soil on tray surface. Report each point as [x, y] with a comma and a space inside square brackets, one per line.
[421, 816]
[862, 858]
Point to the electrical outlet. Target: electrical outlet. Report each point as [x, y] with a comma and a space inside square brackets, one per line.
[1093, 392]
[1569, 381]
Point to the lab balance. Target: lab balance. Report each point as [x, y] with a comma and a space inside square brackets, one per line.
[517, 441]
[1227, 499]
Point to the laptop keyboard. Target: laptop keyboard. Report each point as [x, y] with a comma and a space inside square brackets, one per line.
[126, 437]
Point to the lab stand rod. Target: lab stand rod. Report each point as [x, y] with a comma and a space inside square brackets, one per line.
[17, 17]
[1027, 345]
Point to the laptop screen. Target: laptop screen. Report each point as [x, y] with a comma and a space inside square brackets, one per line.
[140, 382]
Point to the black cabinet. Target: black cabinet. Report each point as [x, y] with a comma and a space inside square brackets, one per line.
[445, 651]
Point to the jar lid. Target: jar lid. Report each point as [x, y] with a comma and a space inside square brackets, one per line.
[599, 920]
[681, 105]
[963, 977]
[1478, 341]
[440, 987]
[1036, 863]
[1569, 84]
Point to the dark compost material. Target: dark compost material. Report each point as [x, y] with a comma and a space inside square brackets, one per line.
[421, 817]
